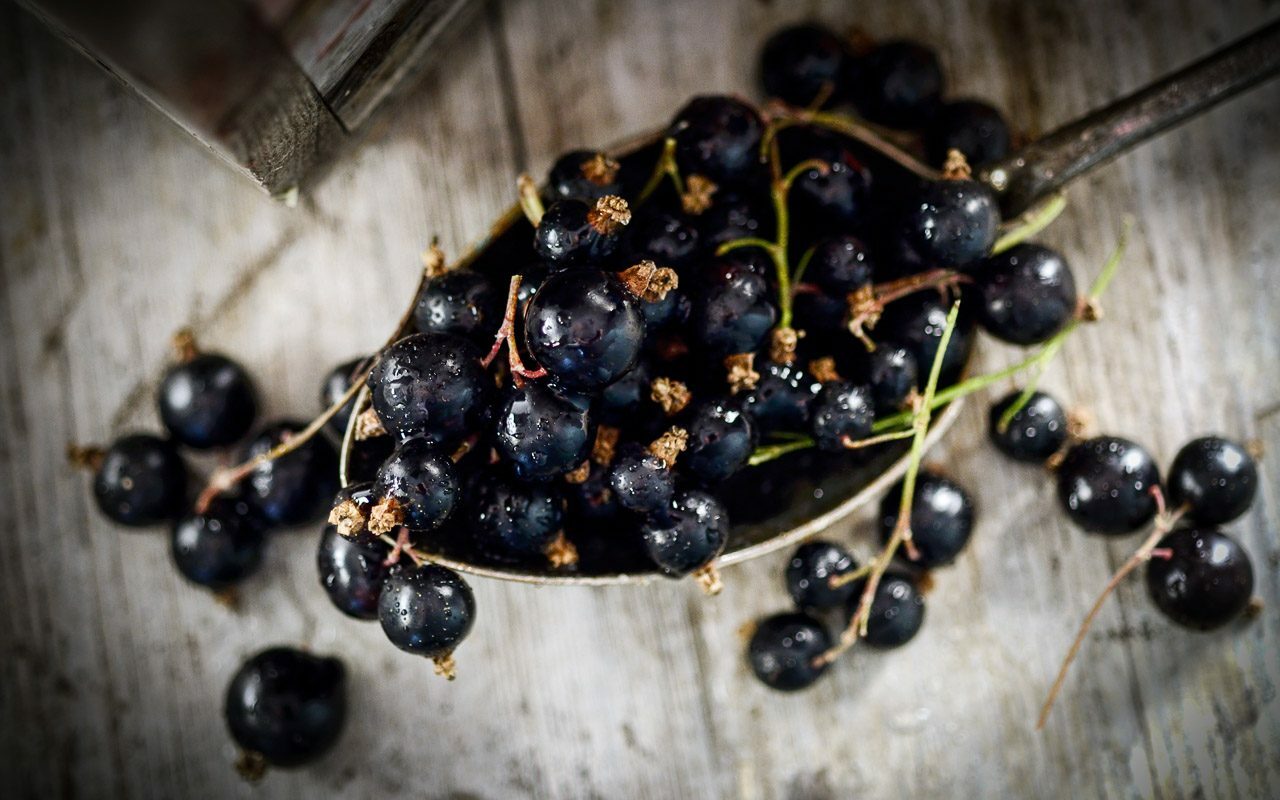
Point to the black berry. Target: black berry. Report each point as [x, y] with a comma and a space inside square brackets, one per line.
[722, 437]
[1205, 582]
[897, 611]
[431, 385]
[1105, 484]
[287, 706]
[462, 302]
[577, 233]
[207, 401]
[423, 483]
[1025, 294]
[802, 63]
[686, 535]
[511, 521]
[585, 328]
[141, 481]
[297, 487]
[841, 413]
[220, 547]
[902, 84]
[351, 572]
[1215, 478]
[973, 127]
[941, 518]
[541, 433]
[784, 649]
[718, 137]
[809, 573]
[426, 610]
[1036, 432]
[948, 223]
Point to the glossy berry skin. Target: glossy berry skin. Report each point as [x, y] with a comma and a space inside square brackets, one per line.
[297, 487]
[666, 239]
[1104, 485]
[941, 518]
[734, 312]
[207, 401]
[351, 572]
[512, 521]
[1025, 294]
[840, 412]
[221, 547]
[621, 400]
[837, 197]
[902, 85]
[892, 374]
[1034, 433]
[641, 482]
[461, 302]
[973, 127]
[687, 535]
[840, 265]
[142, 481]
[800, 63]
[426, 610]
[1205, 583]
[718, 137]
[783, 397]
[287, 705]
[917, 322]
[430, 385]
[948, 224]
[422, 480]
[585, 328]
[733, 216]
[783, 648]
[722, 437]
[336, 384]
[897, 611]
[809, 573]
[571, 177]
[567, 236]
[541, 433]
[1215, 478]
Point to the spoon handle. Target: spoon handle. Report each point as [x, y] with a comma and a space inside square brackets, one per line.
[1046, 165]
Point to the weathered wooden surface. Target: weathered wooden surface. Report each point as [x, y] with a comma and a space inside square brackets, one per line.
[115, 230]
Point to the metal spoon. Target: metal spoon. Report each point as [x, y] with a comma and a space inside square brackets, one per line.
[1041, 168]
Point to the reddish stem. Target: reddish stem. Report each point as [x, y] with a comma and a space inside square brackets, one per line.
[507, 335]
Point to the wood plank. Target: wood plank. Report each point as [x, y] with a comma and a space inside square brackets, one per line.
[115, 231]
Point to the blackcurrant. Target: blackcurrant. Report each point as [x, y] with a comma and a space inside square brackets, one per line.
[431, 385]
[722, 437]
[220, 547]
[836, 195]
[141, 481]
[973, 127]
[734, 215]
[461, 302]
[948, 223]
[917, 322]
[941, 518]
[1105, 484]
[1204, 581]
[892, 374]
[511, 521]
[897, 611]
[577, 233]
[667, 239]
[841, 412]
[623, 398]
[782, 398]
[809, 573]
[336, 384]
[901, 86]
[287, 706]
[295, 488]
[839, 265]
[688, 534]
[207, 401]
[734, 311]
[718, 137]
[1215, 478]
[784, 651]
[641, 481]
[422, 483]
[542, 433]
[802, 63]
[426, 610]
[1036, 432]
[585, 328]
[583, 175]
[1025, 294]
[351, 572]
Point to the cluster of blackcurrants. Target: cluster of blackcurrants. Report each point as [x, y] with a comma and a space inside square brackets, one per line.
[1197, 575]
[208, 402]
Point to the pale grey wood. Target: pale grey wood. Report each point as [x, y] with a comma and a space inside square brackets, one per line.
[115, 231]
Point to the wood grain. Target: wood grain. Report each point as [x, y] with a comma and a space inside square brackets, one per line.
[115, 230]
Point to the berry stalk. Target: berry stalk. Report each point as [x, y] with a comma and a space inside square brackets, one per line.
[901, 536]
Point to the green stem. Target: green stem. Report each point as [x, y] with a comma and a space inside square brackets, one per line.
[1030, 223]
[802, 266]
[771, 451]
[746, 241]
[664, 168]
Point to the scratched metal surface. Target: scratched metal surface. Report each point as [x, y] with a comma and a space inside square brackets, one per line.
[115, 230]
